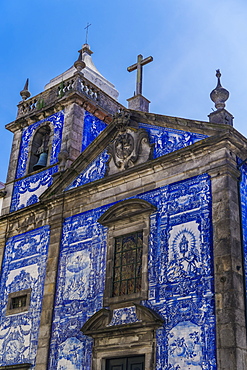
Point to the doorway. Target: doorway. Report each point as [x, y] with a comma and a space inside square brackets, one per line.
[126, 363]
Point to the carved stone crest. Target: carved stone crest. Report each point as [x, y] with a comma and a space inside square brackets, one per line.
[130, 147]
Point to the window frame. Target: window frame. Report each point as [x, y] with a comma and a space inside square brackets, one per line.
[118, 264]
[24, 366]
[126, 217]
[18, 310]
[140, 225]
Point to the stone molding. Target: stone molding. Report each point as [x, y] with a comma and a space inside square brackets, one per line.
[127, 339]
[25, 366]
[126, 209]
[99, 322]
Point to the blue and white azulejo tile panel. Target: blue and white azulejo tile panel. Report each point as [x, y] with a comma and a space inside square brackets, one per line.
[94, 171]
[243, 197]
[27, 191]
[167, 140]
[180, 276]
[80, 287]
[123, 316]
[91, 129]
[56, 121]
[24, 266]
[164, 141]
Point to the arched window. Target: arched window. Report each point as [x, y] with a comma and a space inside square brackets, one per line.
[40, 148]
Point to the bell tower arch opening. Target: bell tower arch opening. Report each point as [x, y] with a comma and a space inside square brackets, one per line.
[40, 149]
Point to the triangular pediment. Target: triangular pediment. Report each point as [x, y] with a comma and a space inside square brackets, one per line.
[131, 139]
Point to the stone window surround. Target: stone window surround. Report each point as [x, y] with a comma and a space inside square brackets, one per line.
[133, 339]
[14, 311]
[125, 361]
[101, 361]
[25, 366]
[123, 218]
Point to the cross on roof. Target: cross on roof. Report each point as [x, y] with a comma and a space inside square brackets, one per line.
[86, 28]
[140, 62]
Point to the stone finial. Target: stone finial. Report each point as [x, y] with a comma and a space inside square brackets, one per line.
[25, 94]
[219, 95]
[79, 64]
[121, 119]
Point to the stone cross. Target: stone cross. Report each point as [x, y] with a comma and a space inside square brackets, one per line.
[86, 28]
[140, 62]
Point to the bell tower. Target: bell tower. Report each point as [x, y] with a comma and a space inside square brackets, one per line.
[50, 128]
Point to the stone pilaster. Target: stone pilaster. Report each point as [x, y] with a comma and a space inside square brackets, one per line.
[56, 221]
[228, 270]
[3, 230]
[72, 131]
[14, 155]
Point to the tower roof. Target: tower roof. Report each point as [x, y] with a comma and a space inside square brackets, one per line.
[90, 72]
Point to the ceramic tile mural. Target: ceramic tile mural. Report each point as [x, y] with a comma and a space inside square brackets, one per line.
[243, 196]
[80, 289]
[164, 140]
[28, 190]
[167, 140]
[122, 316]
[180, 280]
[94, 171]
[91, 129]
[24, 267]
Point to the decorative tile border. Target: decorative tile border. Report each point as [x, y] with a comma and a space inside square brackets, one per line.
[91, 129]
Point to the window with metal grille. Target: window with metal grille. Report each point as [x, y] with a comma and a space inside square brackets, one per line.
[18, 302]
[127, 267]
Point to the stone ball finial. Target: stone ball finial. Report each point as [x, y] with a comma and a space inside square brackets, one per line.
[79, 64]
[25, 94]
[219, 95]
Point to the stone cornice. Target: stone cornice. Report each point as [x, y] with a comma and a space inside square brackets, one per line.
[158, 172]
[202, 127]
[79, 90]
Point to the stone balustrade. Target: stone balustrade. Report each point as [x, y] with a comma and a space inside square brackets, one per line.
[76, 83]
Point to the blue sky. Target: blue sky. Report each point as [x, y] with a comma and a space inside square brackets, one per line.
[188, 39]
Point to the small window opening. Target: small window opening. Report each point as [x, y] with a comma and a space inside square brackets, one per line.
[18, 302]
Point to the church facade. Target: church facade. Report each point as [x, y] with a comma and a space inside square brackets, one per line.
[123, 238]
